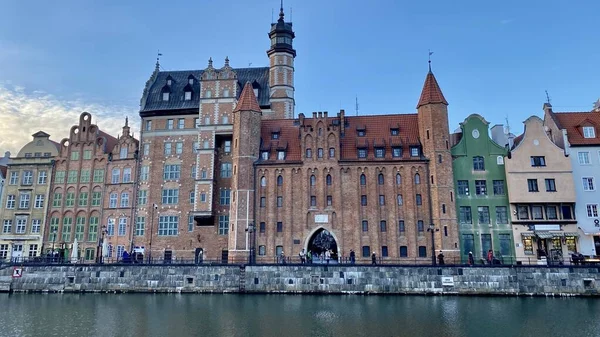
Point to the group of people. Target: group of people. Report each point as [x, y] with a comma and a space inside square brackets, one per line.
[310, 257]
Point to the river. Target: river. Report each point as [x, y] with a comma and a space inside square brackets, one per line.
[293, 315]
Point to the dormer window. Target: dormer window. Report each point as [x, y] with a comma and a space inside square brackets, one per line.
[169, 82]
[361, 132]
[394, 131]
[256, 92]
[589, 132]
[414, 151]
[165, 96]
[396, 152]
[379, 152]
[208, 94]
[362, 153]
[191, 80]
[188, 95]
[275, 135]
[264, 155]
[280, 155]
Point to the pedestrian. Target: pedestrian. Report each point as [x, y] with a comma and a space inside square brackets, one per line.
[302, 256]
[309, 257]
[282, 257]
[352, 257]
[490, 256]
[471, 259]
[441, 258]
[373, 258]
[327, 256]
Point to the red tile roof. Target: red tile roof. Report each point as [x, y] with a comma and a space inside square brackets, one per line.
[431, 92]
[247, 101]
[288, 138]
[574, 122]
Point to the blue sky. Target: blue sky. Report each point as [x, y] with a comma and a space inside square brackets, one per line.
[493, 58]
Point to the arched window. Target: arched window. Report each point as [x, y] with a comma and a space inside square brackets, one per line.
[398, 179]
[380, 179]
[417, 178]
[313, 180]
[263, 181]
[328, 180]
[363, 179]
[279, 180]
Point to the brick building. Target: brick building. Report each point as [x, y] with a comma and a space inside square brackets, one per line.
[83, 186]
[259, 178]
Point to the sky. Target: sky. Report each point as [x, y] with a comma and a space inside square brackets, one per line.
[495, 58]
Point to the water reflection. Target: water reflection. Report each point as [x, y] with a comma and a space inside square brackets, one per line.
[279, 315]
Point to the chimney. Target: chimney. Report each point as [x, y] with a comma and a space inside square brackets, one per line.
[342, 116]
[301, 118]
[314, 114]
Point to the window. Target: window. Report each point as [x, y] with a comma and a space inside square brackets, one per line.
[463, 187]
[403, 251]
[14, 177]
[79, 228]
[11, 201]
[171, 172]
[320, 153]
[550, 185]
[398, 179]
[167, 148]
[179, 147]
[223, 224]
[592, 210]
[98, 176]
[142, 197]
[66, 230]
[420, 227]
[87, 154]
[384, 251]
[279, 180]
[96, 197]
[72, 177]
[501, 215]
[262, 227]
[21, 225]
[363, 200]
[363, 179]
[484, 214]
[85, 176]
[192, 197]
[588, 184]
[280, 155]
[589, 132]
[331, 152]
[263, 181]
[165, 96]
[75, 155]
[227, 146]
[140, 225]
[190, 223]
[567, 213]
[56, 200]
[419, 200]
[7, 226]
[551, 213]
[124, 200]
[193, 172]
[532, 185]
[144, 173]
[275, 135]
[59, 178]
[24, 200]
[366, 251]
[112, 201]
[329, 200]
[362, 153]
[480, 187]
[202, 197]
[537, 161]
[417, 178]
[381, 200]
[498, 187]
[584, 158]
[263, 202]
[313, 201]
[464, 215]
[264, 155]
[399, 199]
[225, 196]
[36, 225]
[181, 121]
[499, 160]
[522, 212]
[394, 131]
[422, 251]
[116, 175]
[27, 178]
[309, 153]
[123, 152]
[396, 152]
[146, 149]
[279, 226]
[401, 227]
[167, 225]
[313, 180]
[42, 177]
[122, 226]
[380, 179]
[478, 164]
[225, 92]
[170, 196]
[383, 226]
[226, 170]
[83, 199]
[361, 132]
[148, 125]
[365, 226]
[414, 151]
[169, 124]
[379, 152]
[39, 201]
[262, 250]
[537, 213]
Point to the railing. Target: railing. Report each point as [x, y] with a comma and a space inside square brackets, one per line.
[297, 261]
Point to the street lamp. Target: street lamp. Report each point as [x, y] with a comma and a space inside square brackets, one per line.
[432, 229]
[154, 206]
[100, 253]
[252, 233]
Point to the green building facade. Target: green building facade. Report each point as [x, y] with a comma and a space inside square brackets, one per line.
[482, 206]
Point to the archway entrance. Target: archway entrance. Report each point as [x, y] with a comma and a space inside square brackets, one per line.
[319, 243]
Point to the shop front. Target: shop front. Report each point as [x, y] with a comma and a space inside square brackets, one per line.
[546, 244]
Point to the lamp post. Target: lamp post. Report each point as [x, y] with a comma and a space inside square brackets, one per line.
[432, 230]
[154, 206]
[251, 231]
[101, 245]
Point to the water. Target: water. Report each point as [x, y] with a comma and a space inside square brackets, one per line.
[289, 315]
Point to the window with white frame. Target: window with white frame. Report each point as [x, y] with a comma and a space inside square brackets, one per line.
[124, 199]
[42, 177]
[280, 155]
[588, 184]
[3, 251]
[145, 171]
[170, 124]
[127, 175]
[167, 225]
[123, 152]
[14, 178]
[33, 250]
[583, 157]
[170, 196]
[36, 225]
[110, 228]
[21, 225]
[122, 226]
[171, 172]
[112, 201]
[24, 200]
[192, 197]
[140, 225]
[116, 174]
[592, 210]
[181, 122]
[11, 201]
[589, 132]
[226, 170]
[167, 148]
[142, 197]
[187, 95]
[179, 147]
[39, 201]
[110, 251]
[146, 149]
[7, 226]
[120, 250]
[27, 178]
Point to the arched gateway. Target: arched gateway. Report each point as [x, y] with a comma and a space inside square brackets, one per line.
[320, 241]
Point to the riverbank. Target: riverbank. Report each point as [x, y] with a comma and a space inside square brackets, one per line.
[302, 279]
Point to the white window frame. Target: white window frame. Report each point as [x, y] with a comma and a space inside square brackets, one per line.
[115, 175]
[188, 95]
[42, 177]
[112, 201]
[36, 226]
[586, 184]
[168, 225]
[11, 201]
[122, 227]
[24, 200]
[39, 201]
[14, 178]
[583, 157]
[124, 200]
[110, 227]
[127, 175]
[21, 225]
[165, 96]
[145, 172]
[589, 132]
[123, 152]
[592, 210]
[27, 178]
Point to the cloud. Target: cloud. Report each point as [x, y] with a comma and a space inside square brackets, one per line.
[23, 113]
[506, 21]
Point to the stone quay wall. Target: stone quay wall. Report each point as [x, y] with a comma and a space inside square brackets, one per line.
[294, 279]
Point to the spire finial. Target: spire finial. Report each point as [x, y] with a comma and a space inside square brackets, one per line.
[158, 55]
[281, 12]
[126, 121]
[429, 61]
[227, 61]
[210, 62]
[547, 97]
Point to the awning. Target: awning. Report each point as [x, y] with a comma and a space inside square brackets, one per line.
[571, 234]
[544, 235]
[527, 235]
[557, 235]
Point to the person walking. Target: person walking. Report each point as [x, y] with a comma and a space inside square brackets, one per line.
[309, 257]
[373, 258]
[352, 257]
[441, 258]
[282, 257]
[471, 259]
[302, 256]
[327, 256]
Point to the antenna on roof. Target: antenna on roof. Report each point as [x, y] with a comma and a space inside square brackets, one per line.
[429, 60]
[291, 13]
[272, 14]
[507, 128]
[547, 97]
[356, 104]
[158, 55]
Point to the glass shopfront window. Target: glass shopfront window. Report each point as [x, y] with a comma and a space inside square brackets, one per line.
[528, 245]
[571, 242]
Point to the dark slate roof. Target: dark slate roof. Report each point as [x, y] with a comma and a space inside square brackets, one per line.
[153, 99]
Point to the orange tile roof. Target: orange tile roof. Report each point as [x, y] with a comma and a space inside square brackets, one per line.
[288, 138]
[247, 101]
[574, 122]
[431, 92]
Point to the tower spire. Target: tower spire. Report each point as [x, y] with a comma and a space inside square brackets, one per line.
[431, 92]
[429, 61]
[158, 55]
[281, 12]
